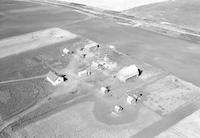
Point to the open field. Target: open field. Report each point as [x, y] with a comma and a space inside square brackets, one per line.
[169, 94]
[79, 121]
[186, 128]
[33, 63]
[16, 45]
[179, 12]
[21, 95]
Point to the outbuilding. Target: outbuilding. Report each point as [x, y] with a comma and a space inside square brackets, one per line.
[105, 90]
[118, 108]
[65, 51]
[54, 79]
[130, 99]
[128, 72]
[91, 45]
[84, 73]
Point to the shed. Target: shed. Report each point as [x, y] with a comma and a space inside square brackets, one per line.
[118, 108]
[91, 45]
[130, 99]
[54, 79]
[65, 51]
[84, 73]
[128, 72]
[105, 90]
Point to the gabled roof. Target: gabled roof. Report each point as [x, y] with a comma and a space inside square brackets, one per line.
[51, 75]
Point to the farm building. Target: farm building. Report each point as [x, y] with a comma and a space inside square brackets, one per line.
[105, 90]
[128, 72]
[134, 99]
[84, 73]
[54, 79]
[91, 45]
[130, 99]
[65, 51]
[118, 108]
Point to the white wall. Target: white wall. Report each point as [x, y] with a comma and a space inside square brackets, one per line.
[116, 5]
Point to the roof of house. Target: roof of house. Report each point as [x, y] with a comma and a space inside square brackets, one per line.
[51, 75]
[129, 69]
[90, 45]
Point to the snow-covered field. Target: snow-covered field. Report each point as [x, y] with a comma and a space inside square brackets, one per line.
[115, 5]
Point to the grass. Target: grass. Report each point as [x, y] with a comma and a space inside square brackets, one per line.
[180, 12]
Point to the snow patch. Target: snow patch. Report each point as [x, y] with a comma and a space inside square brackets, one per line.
[115, 5]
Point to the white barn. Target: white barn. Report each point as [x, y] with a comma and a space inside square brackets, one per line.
[54, 79]
[128, 72]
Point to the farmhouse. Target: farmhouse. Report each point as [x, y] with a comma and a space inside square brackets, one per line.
[54, 79]
[128, 72]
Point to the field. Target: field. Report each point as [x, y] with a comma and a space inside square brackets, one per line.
[16, 45]
[79, 121]
[18, 96]
[34, 62]
[169, 94]
[188, 127]
[178, 12]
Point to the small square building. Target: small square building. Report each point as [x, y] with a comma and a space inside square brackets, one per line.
[54, 79]
[118, 108]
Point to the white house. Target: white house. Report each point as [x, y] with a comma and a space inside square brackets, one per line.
[128, 72]
[54, 79]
